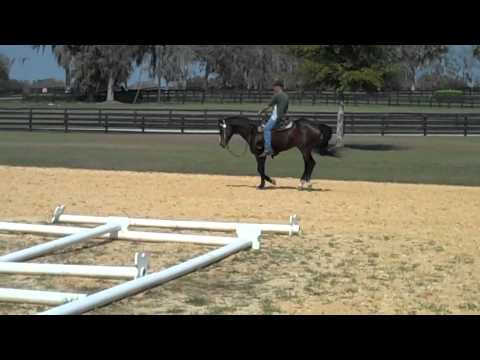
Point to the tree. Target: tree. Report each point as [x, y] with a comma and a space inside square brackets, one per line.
[205, 56]
[476, 51]
[345, 67]
[97, 66]
[170, 63]
[414, 57]
[244, 66]
[5, 64]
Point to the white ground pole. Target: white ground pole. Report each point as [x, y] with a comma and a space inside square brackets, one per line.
[37, 297]
[103, 272]
[74, 237]
[292, 228]
[248, 237]
[120, 235]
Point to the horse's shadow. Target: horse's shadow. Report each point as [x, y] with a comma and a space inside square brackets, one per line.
[279, 188]
[376, 147]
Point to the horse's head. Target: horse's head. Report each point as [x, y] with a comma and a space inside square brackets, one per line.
[226, 132]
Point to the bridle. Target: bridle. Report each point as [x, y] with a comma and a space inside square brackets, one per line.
[223, 125]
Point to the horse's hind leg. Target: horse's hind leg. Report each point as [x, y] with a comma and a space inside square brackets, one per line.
[311, 166]
[303, 179]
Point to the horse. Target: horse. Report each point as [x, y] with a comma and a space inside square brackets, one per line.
[304, 134]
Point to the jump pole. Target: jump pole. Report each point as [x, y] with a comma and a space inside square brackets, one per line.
[75, 236]
[38, 297]
[103, 272]
[120, 235]
[249, 237]
[292, 228]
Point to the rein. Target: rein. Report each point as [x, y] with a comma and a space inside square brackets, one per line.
[237, 155]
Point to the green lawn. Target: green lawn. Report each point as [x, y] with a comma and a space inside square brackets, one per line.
[434, 160]
[249, 106]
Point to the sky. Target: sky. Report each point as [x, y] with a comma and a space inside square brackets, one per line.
[38, 65]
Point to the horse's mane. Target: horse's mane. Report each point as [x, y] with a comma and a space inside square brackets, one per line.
[240, 120]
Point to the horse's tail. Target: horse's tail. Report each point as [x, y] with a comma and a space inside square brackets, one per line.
[323, 147]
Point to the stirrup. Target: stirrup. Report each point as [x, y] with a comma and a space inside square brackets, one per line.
[266, 153]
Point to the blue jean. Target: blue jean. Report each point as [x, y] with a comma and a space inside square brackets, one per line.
[268, 133]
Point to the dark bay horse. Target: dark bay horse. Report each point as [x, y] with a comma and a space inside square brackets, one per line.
[305, 135]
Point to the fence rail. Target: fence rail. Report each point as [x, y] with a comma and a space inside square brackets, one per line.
[469, 99]
[206, 121]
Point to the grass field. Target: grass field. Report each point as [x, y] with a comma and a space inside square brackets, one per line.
[430, 160]
[249, 106]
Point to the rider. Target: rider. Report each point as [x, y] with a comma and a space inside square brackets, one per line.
[279, 106]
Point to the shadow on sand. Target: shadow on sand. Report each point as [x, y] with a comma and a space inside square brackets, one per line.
[270, 187]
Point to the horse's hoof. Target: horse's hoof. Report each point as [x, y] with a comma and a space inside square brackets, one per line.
[260, 187]
[309, 186]
[274, 183]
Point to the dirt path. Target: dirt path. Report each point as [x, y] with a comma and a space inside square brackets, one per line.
[366, 248]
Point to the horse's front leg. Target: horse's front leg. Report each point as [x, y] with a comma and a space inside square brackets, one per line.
[261, 171]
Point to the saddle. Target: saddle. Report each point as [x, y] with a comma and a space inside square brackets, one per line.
[282, 127]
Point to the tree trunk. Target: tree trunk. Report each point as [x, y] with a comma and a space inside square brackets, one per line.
[413, 79]
[159, 96]
[340, 123]
[68, 77]
[110, 93]
[207, 74]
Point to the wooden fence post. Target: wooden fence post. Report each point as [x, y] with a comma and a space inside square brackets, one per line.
[106, 123]
[465, 126]
[425, 125]
[65, 120]
[30, 120]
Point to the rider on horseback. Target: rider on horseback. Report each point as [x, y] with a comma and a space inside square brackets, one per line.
[279, 106]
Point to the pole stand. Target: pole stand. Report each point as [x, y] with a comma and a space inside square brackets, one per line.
[59, 210]
[250, 232]
[122, 221]
[142, 261]
[295, 224]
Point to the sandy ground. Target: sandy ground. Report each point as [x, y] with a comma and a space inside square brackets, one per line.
[366, 248]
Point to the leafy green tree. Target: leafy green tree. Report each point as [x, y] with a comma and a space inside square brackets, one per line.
[345, 67]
